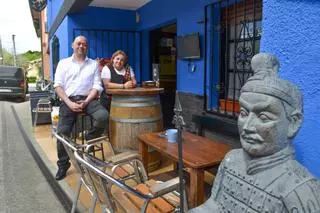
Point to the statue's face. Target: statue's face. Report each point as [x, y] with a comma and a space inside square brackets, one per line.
[262, 123]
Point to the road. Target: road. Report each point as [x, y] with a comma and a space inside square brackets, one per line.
[23, 185]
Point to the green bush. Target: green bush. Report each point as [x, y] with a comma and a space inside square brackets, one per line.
[32, 79]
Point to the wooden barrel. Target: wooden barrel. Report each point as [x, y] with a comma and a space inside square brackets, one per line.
[131, 116]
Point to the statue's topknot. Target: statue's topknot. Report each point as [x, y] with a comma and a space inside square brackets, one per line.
[266, 81]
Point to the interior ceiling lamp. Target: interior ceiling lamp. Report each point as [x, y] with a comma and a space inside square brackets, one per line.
[38, 5]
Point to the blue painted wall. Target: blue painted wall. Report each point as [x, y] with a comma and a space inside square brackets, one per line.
[94, 18]
[104, 18]
[291, 31]
[61, 34]
[53, 10]
[186, 14]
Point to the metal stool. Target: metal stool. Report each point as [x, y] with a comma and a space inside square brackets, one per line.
[82, 116]
[43, 106]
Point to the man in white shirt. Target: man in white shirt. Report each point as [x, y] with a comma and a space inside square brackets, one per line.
[78, 83]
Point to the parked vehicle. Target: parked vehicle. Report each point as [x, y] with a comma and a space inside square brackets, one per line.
[13, 83]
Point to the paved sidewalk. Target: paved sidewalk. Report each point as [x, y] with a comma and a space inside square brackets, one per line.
[23, 187]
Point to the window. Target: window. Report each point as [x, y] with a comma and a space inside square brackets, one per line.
[233, 35]
[55, 47]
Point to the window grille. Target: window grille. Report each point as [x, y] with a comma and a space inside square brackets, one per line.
[234, 32]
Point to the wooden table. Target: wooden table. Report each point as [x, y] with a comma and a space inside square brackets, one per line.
[199, 154]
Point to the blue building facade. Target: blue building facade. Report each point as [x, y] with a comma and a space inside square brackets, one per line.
[229, 32]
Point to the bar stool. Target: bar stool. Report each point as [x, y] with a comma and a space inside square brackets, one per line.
[43, 106]
[82, 116]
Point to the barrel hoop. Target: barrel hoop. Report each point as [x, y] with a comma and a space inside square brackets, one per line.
[134, 98]
[146, 104]
[143, 120]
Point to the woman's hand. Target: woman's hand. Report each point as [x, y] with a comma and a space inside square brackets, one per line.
[128, 85]
[134, 82]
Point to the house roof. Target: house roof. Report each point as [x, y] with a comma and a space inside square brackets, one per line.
[36, 20]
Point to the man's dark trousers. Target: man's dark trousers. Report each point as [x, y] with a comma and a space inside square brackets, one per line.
[67, 118]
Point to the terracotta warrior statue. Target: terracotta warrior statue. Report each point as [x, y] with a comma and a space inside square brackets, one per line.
[263, 176]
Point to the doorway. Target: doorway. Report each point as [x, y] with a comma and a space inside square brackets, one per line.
[163, 57]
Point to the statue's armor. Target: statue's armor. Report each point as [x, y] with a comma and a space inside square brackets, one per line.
[276, 184]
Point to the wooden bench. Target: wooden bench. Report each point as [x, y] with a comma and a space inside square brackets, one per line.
[220, 125]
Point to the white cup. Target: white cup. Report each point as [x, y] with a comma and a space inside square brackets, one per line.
[172, 135]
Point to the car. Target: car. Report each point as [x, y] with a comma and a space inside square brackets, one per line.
[13, 83]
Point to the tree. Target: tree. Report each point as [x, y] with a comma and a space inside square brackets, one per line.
[31, 55]
[7, 57]
[23, 59]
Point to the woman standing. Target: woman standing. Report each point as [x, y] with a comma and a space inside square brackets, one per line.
[116, 75]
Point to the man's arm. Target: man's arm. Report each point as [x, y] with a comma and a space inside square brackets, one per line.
[91, 96]
[96, 88]
[97, 85]
[61, 93]
[59, 83]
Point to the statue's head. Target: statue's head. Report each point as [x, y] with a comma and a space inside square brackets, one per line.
[271, 111]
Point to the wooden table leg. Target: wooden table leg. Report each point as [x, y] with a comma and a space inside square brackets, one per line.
[196, 194]
[143, 150]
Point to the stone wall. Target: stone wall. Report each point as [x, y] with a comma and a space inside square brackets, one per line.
[194, 105]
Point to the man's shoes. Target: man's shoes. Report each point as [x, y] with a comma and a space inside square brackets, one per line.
[62, 172]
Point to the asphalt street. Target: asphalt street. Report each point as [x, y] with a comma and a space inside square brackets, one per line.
[23, 186]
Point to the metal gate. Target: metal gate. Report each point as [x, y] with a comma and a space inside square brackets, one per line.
[104, 42]
[235, 32]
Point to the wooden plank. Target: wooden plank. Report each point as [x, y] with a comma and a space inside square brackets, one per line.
[139, 202]
[121, 172]
[170, 197]
[159, 203]
[124, 201]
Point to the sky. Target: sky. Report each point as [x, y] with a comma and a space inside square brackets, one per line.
[15, 18]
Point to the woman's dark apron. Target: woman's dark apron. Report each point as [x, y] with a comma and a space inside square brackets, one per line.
[105, 98]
